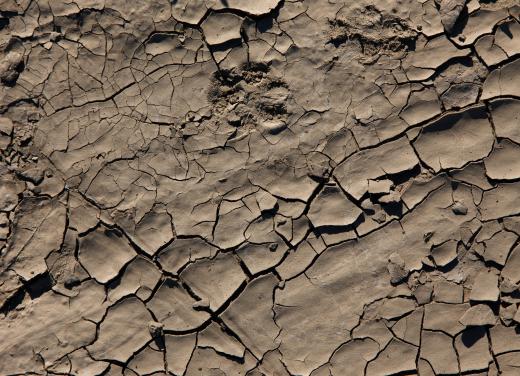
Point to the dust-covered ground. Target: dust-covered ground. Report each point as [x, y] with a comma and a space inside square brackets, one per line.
[259, 187]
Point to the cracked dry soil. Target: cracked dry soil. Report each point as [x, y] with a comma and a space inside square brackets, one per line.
[268, 187]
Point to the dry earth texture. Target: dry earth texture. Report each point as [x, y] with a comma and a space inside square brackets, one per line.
[259, 187]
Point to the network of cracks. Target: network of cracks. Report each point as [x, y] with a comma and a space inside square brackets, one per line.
[275, 187]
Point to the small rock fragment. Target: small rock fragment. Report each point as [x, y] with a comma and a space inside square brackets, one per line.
[479, 315]
[450, 11]
[156, 329]
[459, 208]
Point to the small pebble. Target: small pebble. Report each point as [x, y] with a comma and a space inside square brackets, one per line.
[156, 329]
[459, 209]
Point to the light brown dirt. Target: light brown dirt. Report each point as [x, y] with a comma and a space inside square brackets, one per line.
[268, 187]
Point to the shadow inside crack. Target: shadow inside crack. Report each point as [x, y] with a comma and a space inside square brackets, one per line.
[39, 285]
[470, 336]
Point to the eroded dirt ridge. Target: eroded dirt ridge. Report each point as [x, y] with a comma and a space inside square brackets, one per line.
[275, 187]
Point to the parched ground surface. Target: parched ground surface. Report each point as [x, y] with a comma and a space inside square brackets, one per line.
[259, 187]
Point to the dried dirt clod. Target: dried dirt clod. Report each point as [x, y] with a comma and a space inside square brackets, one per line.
[450, 11]
[156, 329]
[459, 208]
[71, 282]
[478, 315]
[35, 175]
[10, 68]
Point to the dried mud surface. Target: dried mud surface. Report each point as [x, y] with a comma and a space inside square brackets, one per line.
[268, 187]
